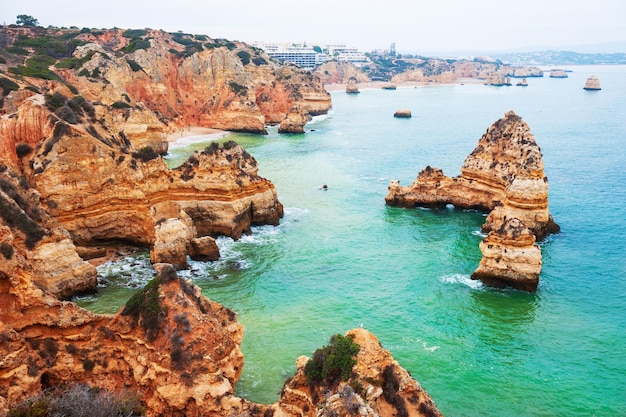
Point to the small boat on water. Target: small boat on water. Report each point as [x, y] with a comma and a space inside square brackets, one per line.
[593, 83]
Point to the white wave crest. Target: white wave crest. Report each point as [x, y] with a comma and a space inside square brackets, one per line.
[461, 279]
[132, 271]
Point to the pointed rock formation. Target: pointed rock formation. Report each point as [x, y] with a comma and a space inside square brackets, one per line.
[592, 83]
[503, 175]
[352, 87]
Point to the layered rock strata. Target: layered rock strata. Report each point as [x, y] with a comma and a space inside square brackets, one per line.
[178, 351]
[504, 175]
[592, 83]
[377, 386]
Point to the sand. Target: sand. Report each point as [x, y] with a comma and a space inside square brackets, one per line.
[192, 131]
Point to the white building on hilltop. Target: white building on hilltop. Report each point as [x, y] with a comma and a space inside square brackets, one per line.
[306, 57]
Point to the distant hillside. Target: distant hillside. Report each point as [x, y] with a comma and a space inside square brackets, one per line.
[561, 58]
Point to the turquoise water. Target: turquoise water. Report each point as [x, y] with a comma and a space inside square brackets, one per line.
[340, 258]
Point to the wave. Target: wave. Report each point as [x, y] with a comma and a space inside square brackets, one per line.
[462, 279]
[479, 233]
[131, 271]
[320, 118]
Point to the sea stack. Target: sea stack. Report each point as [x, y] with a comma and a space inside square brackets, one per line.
[593, 83]
[403, 114]
[352, 87]
[558, 73]
[504, 176]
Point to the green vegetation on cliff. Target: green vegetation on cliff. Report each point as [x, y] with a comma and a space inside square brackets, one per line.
[332, 362]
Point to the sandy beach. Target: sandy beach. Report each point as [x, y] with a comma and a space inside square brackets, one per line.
[192, 131]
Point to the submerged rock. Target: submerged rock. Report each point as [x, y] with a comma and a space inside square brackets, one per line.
[504, 175]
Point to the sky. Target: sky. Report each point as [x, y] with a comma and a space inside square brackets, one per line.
[415, 26]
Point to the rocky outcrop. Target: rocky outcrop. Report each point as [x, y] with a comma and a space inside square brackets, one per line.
[523, 83]
[592, 83]
[504, 175]
[99, 193]
[339, 72]
[403, 113]
[558, 73]
[510, 257]
[352, 87]
[170, 81]
[294, 122]
[32, 241]
[527, 72]
[178, 351]
[377, 386]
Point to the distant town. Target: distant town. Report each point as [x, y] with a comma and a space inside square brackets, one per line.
[310, 56]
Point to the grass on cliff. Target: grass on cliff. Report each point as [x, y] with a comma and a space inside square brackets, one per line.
[78, 401]
[333, 361]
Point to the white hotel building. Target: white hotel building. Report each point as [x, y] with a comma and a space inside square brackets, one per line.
[305, 57]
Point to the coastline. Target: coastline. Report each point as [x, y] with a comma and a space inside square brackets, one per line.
[330, 87]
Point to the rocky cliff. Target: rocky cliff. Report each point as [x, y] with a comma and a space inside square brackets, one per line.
[180, 79]
[178, 351]
[504, 175]
[376, 386]
[84, 117]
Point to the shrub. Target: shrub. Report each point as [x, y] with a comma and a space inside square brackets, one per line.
[259, 61]
[67, 114]
[120, 105]
[145, 309]
[36, 67]
[136, 44]
[55, 101]
[23, 149]
[15, 216]
[134, 65]
[17, 50]
[146, 154]
[332, 362]
[88, 365]
[6, 250]
[134, 33]
[244, 56]
[8, 86]
[391, 385]
[237, 88]
[78, 401]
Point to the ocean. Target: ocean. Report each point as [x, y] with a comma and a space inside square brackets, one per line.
[341, 258]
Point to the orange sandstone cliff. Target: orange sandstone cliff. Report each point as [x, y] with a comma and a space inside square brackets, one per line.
[504, 175]
[178, 351]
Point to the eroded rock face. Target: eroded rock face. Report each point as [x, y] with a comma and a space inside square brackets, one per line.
[178, 350]
[378, 386]
[503, 175]
[510, 257]
[294, 122]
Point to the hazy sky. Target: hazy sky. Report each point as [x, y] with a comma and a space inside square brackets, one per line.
[414, 25]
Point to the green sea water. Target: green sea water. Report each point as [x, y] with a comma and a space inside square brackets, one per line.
[341, 258]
